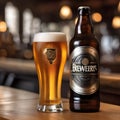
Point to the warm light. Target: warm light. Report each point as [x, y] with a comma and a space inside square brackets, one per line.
[76, 19]
[65, 12]
[119, 7]
[116, 22]
[97, 17]
[3, 26]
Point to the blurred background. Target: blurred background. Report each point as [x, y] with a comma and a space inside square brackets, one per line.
[20, 19]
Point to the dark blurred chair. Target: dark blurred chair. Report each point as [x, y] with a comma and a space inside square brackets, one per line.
[22, 81]
[2, 77]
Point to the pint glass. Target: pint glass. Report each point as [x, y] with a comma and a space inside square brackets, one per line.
[50, 53]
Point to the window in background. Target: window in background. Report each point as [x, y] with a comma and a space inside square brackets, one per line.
[12, 20]
[27, 25]
[36, 26]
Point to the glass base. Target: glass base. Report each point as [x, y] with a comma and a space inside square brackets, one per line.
[50, 108]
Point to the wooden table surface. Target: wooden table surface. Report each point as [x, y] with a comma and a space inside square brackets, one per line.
[21, 105]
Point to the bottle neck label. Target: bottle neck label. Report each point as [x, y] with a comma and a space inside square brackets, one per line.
[84, 70]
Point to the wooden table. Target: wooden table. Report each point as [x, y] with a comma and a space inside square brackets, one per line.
[21, 105]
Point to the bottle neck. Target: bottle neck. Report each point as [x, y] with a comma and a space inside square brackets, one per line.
[84, 25]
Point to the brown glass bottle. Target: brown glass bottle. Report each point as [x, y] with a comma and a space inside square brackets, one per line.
[84, 65]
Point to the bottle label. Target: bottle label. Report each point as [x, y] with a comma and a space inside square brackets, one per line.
[84, 71]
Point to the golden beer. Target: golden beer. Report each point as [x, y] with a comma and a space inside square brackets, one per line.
[50, 53]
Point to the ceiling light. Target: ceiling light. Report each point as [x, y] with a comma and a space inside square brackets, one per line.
[65, 12]
[116, 22]
[3, 26]
[97, 17]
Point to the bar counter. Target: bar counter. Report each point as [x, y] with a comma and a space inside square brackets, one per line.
[24, 70]
[21, 105]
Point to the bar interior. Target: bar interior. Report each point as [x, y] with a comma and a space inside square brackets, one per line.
[21, 19]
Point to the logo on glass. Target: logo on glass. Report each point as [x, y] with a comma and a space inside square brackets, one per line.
[51, 54]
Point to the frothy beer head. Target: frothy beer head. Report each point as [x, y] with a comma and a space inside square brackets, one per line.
[49, 37]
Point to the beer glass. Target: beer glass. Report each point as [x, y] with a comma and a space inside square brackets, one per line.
[50, 53]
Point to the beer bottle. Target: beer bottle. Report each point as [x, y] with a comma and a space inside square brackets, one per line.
[84, 65]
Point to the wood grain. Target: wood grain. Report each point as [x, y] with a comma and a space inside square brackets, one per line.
[21, 105]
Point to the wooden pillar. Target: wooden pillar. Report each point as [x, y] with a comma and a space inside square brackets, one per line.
[2, 11]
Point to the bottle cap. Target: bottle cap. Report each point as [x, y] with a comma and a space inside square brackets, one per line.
[84, 10]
